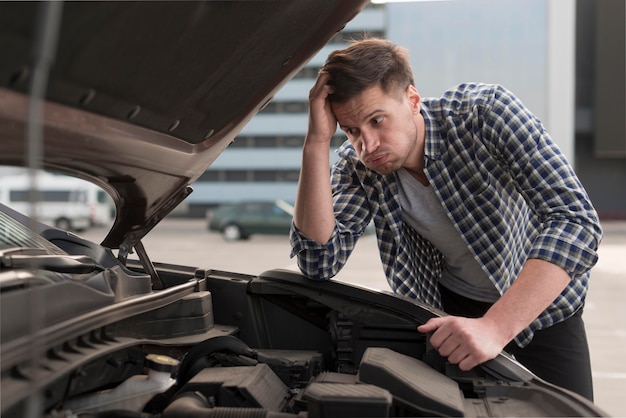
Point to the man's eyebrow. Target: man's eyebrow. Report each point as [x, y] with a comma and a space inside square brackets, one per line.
[366, 117]
[372, 113]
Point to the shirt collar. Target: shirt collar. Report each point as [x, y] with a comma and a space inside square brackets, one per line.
[432, 139]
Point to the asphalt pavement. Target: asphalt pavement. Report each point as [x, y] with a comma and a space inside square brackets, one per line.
[188, 242]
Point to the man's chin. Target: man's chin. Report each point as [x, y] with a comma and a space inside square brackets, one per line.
[384, 170]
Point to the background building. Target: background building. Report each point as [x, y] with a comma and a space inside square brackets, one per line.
[564, 59]
[601, 104]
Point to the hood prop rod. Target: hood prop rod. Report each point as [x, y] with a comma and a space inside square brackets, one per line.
[157, 283]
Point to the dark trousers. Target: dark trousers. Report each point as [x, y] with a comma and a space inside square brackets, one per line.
[558, 354]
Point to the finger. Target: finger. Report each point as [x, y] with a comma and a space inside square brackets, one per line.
[431, 325]
[468, 363]
[458, 355]
[323, 74]
[322, 79]
[320, 91]
[322, 85]
[447, 346]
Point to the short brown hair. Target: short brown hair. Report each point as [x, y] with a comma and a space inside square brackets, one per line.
[366, 63]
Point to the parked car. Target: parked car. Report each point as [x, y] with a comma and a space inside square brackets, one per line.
[140, 98]
[240, 220]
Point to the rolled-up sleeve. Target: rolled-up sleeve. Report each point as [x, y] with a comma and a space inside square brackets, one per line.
[323, 261]
[320, 261]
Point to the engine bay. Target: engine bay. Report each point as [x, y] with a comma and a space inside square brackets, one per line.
[120, 339]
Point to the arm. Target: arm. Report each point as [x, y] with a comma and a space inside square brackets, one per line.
[314, 215]
[561, 253]
[469, 342]
[329, 215]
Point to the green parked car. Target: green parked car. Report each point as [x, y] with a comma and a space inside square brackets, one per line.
[240, 220]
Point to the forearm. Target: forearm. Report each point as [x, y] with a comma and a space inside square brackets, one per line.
[313, 213]
[472, 341]
[537, 286]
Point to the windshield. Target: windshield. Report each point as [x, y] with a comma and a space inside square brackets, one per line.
[16, 235]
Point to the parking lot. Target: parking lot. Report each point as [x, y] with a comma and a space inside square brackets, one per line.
[188, 242]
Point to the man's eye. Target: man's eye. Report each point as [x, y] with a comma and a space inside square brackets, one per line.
[377, 120]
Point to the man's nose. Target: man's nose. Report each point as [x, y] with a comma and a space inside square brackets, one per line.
[370, 142]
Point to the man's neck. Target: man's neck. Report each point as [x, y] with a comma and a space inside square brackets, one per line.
[418, 175]
[415, 165]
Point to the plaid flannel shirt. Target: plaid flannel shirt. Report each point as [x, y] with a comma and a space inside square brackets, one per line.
[505, 185]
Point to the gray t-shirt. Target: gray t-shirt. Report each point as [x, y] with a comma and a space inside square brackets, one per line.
[422, 210]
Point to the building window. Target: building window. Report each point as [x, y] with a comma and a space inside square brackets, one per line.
[251, 176]
[279, 141]
[286, 107]
[308, 73]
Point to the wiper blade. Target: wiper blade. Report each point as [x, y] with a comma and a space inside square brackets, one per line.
[75, 264]
[22, 251]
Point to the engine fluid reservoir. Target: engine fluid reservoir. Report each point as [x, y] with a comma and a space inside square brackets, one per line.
[134, 393]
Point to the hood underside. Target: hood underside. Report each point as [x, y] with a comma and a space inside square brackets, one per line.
[141, 97]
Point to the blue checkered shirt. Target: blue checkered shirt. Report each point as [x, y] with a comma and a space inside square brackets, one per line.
[505, 185]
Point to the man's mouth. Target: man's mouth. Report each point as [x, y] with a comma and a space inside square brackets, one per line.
[376, 160]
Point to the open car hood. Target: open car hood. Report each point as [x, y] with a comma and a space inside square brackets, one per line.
[141, 97]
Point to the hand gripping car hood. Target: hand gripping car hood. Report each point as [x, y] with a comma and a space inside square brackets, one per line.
[141, 97]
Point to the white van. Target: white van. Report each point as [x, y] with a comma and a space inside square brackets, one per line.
[60, 201]
[101, 206]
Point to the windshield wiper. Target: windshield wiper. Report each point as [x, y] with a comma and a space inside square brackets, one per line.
[36, 258]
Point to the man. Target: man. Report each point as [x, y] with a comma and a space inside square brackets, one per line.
[476, 210]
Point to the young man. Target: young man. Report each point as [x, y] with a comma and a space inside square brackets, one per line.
[476, 210]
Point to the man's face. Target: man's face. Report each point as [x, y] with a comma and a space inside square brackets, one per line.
[383, 127]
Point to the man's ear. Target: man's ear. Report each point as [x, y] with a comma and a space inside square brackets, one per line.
[413, 97]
